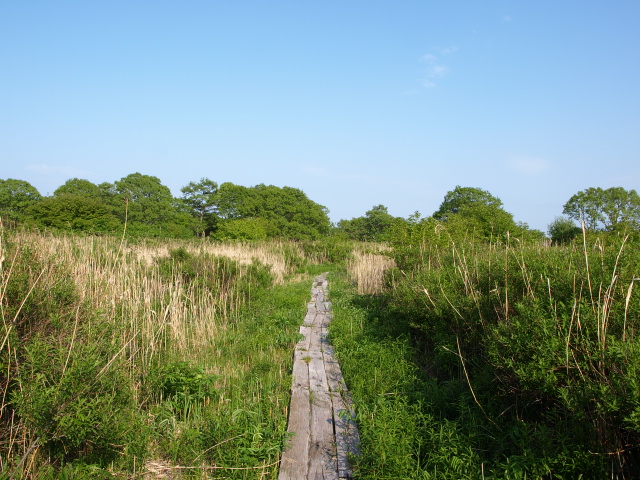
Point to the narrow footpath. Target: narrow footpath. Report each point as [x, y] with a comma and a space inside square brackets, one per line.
[321, 411]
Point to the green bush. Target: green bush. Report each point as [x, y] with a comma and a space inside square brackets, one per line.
[327, 250]
[182, 383]
[544, 335]
[216, 274]
[77, 401]
[38, 296]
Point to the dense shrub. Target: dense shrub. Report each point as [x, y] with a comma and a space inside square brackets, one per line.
[64, 391]
[78, 402]
[216, 274]
[545, 338]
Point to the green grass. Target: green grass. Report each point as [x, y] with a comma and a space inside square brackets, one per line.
[121, 359]
[476, 360]
[496, 361]
[397, 404]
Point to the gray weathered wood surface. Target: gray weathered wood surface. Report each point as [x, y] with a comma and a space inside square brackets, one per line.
[321, 410]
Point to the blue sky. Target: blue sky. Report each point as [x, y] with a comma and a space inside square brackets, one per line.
[357, 103]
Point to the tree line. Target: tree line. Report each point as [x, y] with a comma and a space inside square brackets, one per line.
[476, 212]
[145, 207]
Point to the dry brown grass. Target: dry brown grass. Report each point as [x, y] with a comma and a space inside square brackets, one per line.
[268, 253]
[367, 270]
[148, 316]
[123, 283]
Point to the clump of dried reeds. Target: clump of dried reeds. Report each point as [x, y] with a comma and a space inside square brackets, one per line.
[271, 254]
[367, 270]
[126, 286]
[129, 296]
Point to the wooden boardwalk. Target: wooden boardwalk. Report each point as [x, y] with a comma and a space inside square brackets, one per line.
[321, 411]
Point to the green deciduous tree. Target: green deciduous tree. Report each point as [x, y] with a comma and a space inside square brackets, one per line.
[563, 230]
[234, 201]
[291, 214]
[487, 221]
[148, 201]
[242, 229]
[467, 210]
[461, 197]
[287, 211]
[200, 199]
[79, 187]
[74, 213]
[355, 228]
[148, 206]
[609, 210]
[378, 222]
[375, 226]
[16, 196]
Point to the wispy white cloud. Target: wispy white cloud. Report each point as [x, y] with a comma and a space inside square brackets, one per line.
[439, 70]
[528, 165]
[435, 68]
[446, 50]
[507, 18]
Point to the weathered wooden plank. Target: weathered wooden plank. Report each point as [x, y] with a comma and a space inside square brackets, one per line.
[323, 461]
[315, 344]
[324, 320]
[332, 368]
[300, 371]
[327, 435]
[346, 430]
[322, 455]
[310, 318]
[294, 463]
[304, 343]
[341, 428]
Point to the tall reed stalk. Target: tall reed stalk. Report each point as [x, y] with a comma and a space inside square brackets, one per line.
[128, 315]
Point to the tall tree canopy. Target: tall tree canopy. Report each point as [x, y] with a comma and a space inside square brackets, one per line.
[609, 210]
[80, 187]
[563, 230]
[374, 226]
[16, 196]
[200, 199]
[473, 210]
[287, 211]
[76, 213]
[148, 206]
[461, 197]
[148, 201]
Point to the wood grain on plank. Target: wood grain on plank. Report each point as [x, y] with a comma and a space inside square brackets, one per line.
[321, 412]
[322, 456]
[295, 461]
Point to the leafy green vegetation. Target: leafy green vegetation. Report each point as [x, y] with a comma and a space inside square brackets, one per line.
[496, 359]
[608, 209]
[141, 206]
[16, 196]
[375, 226]
[121, 359]
[474, 346]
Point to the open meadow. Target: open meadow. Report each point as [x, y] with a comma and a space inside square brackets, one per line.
[147, 357]
[466, 358]
[508, 358]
